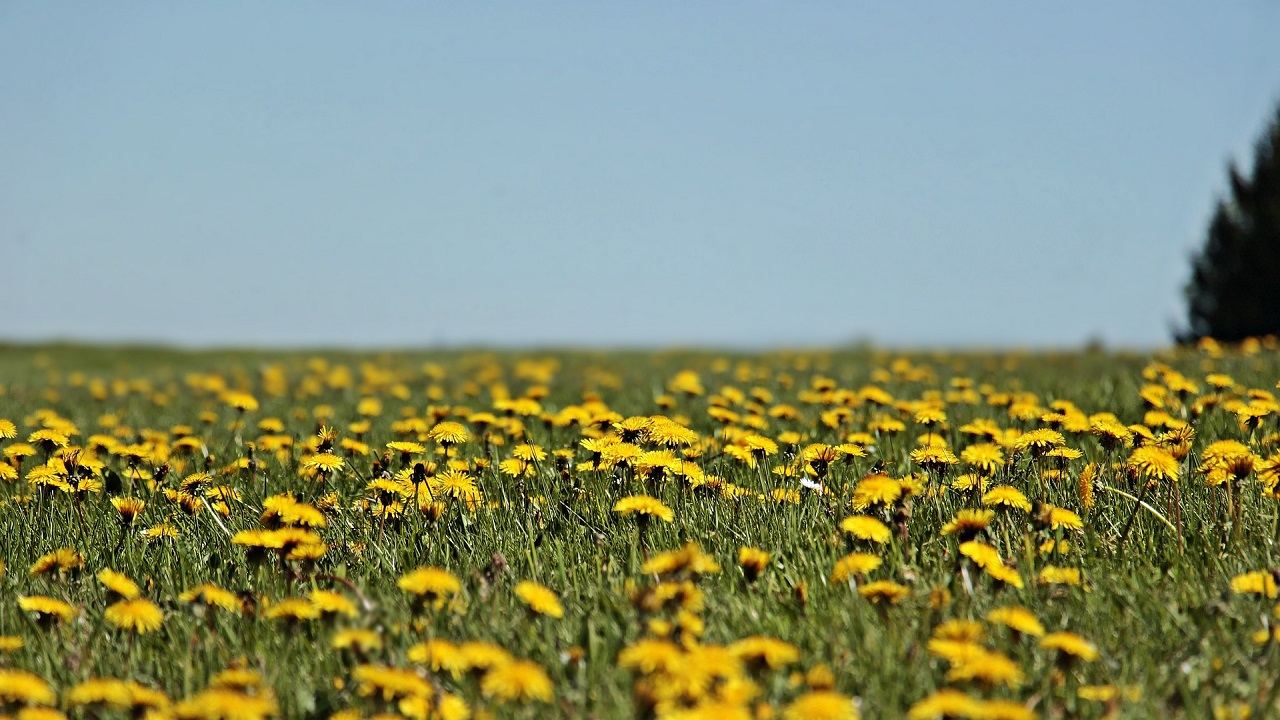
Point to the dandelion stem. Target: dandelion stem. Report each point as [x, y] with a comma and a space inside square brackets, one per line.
[1177, 516]
[1138, 502]
[214, 514]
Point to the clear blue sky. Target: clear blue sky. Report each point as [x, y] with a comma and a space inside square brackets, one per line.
[924, 173]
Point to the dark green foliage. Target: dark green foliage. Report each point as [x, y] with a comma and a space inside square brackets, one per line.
[1234, 290]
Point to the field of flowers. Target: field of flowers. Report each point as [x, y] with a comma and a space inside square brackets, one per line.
[799, 535]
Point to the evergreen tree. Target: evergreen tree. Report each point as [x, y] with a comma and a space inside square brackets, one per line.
[1234, 290]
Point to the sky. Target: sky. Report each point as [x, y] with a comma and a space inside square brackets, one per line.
[618, 174]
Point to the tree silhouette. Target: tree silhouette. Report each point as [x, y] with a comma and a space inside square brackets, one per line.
[1234, 291]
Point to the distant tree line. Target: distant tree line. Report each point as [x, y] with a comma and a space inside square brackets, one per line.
[1234, 291]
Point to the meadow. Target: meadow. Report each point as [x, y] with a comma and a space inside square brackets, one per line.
[801, 535]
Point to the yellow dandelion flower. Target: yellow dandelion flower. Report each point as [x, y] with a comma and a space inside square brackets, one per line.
[1004, 574]
[1057, 518]
[119, 695]
[760, 651]
[1220, 380]
[237, 678]
[946, 703]
[933, 457]
[390, 683]
[953, 650]
[449, 433]
[1039, 441]
[529, 453]
[358, 640]
[448, 707]
[1053, 575]
[1153, 463]
[821, 705]
[430, 585]
[1088, 476]
[651, 655]
[970, 481]
[644, 505]
[1069, 643]
[438, 655]
[886, 426]
[982, 554]
[454, 483]
[107, 692]
[369, 407]
[1111, 433]
[1063, 455]
[285, 510]
[865, 527]
[211, 595]
[161, 531]
[60, 561]
[119, 584]
[1005, 710]
[539, 599]
[759, 445]
[48, 440]
[475, 655]
[517, 681]
[820, 677]
[1261, 582]
[226, 704]
[884, 591]
[987, 666]
[958, 630]
[293, 609]
[662, 431]
[242, 401]
[1006, 496]
[137, 615]
[1098, 693]
[688, 559]
[854, 565]
[20, 687]
[1016, 618]
[323, 463]
[331, 604]
[47, 609]
[930, 417]
[687, 382]
[129, 508]
[17, 451]
[876, 490]
[753, 561]
[195, 482]
[969, 522]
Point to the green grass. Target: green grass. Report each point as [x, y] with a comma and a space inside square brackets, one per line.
[1168, 628]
